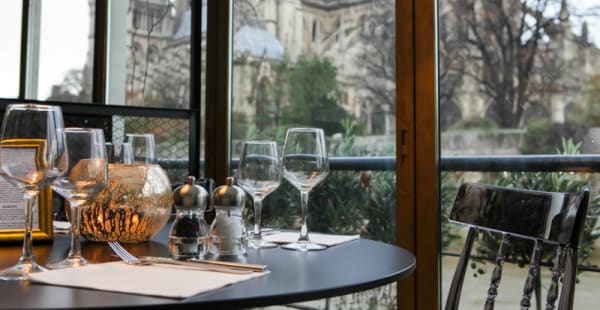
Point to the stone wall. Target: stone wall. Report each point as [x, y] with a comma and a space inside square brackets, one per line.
[481, 142]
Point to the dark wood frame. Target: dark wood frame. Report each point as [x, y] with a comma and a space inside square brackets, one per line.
[418, 181]
[416, 125]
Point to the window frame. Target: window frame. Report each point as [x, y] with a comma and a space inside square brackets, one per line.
[98, 107]
[416, 207]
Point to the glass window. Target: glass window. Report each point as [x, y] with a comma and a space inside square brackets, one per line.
[10, 21]
[344, 82]
[154, 70]
[60, 50]
[327, 64]
[518, 79]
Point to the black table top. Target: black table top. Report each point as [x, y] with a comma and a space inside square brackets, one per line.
[295, 276]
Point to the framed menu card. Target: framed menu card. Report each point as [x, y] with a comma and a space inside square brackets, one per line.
[12, 201]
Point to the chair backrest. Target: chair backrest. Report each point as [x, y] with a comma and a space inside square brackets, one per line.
[544, 217]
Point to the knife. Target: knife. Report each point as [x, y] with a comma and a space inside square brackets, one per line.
[200, 265]
[244, 266]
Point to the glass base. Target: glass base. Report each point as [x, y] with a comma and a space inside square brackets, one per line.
[303, 246]
[259, 243]
[21, 271]
[72, 262]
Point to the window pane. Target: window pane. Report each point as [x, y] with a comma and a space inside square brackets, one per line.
[327, 64]
[60, 50]
[149, 53]
[518, 78]
[171, 137]
[10, 22]
[321, 64]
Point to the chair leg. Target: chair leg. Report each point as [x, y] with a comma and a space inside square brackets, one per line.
[496, 274]
[532, 275]
[557, 271]
[567, 295]
[453, 300]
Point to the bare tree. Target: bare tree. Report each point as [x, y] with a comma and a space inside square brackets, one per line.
[378, 54]
[75, 87]
[506, 48]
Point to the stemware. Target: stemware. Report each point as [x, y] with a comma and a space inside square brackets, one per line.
[259, 174]
[143, 147]
[119, 153]
[87, 175]
[33, 153]
[305, 164]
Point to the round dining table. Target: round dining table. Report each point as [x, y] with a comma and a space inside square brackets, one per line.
[294, 276]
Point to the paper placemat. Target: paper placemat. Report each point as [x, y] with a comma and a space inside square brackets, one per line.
[323, 239]
[153, 280]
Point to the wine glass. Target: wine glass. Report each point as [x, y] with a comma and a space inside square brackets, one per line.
[119, 153]
[143, 147]
[33, 153]
[126, 154]
[305, 164]
[259, 174]
[87, 175]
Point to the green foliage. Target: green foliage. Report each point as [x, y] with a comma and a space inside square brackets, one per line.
[450, 184]
[313, 95]
[543, 136]
[475, 122]
[239, 126]
[592, 108]
[519, 250]
[347, 202]
[347, 145]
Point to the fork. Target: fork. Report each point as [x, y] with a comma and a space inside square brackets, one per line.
[133, 260]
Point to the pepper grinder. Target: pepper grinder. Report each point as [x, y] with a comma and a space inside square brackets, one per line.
[189, 232]
[227, 231]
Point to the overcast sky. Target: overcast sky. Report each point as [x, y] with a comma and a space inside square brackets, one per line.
[63, 43]
[64, 40]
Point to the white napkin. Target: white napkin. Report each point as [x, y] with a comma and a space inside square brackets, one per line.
[323, 239]
[155, 280]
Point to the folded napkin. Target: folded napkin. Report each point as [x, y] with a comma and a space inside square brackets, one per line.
[323, 239]
[154, 280]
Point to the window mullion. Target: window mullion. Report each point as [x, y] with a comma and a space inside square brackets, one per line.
[100, 52]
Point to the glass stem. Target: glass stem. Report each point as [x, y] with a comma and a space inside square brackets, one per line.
[27, 255]
[304, 212]
[257, 217]
[75, 251]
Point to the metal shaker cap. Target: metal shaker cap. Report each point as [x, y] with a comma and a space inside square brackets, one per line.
[228, 195]
[190, 196]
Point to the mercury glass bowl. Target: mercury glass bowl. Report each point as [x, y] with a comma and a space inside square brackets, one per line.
[133, 207]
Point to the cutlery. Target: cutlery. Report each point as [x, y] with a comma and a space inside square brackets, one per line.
[133, 260]
[244, 266]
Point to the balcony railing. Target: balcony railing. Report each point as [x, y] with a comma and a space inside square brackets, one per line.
[524, 163]
[496, 163]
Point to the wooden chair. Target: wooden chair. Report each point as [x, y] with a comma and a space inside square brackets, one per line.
[544, 217]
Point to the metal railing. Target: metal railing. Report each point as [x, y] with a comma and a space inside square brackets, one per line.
[387, 163]
[496, 163]
[512, 163]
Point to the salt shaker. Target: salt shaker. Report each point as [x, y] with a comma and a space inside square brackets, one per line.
[227, 231]
[189, 232]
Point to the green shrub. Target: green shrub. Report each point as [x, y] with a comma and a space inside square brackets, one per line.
[475, 122]
[519, 251]
[544, 137]
[347, 202]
